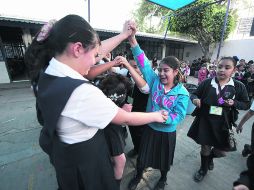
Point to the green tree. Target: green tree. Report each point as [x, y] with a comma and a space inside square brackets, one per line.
[202, 24]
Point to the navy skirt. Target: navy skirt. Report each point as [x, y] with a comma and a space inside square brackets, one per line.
[208, 129]
[84, 166]
[156, 149]
[115, 139]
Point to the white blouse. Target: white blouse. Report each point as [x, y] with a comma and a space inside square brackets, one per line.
[86, 111]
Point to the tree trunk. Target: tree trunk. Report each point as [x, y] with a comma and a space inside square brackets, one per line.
[205, 47]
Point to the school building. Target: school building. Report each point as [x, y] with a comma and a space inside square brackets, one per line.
[17, 33]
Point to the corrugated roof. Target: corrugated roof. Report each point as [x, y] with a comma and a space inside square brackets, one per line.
[155, 36]
[19, 19]
[140, 34]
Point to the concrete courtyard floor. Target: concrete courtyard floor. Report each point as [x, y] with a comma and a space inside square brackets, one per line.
[23, 165]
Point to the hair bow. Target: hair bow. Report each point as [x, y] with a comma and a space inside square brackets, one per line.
[45, 30]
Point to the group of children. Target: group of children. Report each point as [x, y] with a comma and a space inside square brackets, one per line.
[82, 125]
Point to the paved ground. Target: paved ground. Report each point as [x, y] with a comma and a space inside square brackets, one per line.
[23, 166]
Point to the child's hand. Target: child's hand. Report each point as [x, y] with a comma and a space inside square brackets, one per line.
[239, 128]
[240, 187]
[127, 107]
[229, 102]
[197, 102]
[127, 30]
[122, 61]
[164, 115]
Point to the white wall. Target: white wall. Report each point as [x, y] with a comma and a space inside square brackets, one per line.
[4, 77]
[192, 52]
[243, 49]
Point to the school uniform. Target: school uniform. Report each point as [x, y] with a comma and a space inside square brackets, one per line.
[139, 105]
[249, 85]
[210, 128]
[252, 129]
[247, 177]
[72, 134]
[115, 139]
[158, 140]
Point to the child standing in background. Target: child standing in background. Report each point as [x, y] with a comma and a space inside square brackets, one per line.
[185, 70]
[212, 71]
[140, 97]
[202, 73]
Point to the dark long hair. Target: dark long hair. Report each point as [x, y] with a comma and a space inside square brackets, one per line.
[71, 28]
[173, 63]
[230, 59]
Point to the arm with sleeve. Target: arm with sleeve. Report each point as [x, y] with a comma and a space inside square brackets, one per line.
[200, 90]
[84, 109]
[241, 101]
[144, 65]
[179, 112]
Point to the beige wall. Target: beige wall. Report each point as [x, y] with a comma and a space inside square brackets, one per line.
[192, 52]
[243, 49]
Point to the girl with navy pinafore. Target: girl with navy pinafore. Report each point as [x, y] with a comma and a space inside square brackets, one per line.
[166, 93]
[217, 100]
[75, 112]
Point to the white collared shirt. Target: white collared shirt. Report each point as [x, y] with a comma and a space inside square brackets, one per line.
[86, 111]
[215, 85]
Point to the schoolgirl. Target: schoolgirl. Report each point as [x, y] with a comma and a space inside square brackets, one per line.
[217, 100]
[139, 97]
[202, 73]
[73, 110]
[116, 87]
[158, 141]
[249, 80]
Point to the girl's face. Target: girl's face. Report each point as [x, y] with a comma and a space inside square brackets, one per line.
[203, 68]
[183, 65]
[241, 68]
[225, 69]
[133, 63]
[88, 59]
[166, 74]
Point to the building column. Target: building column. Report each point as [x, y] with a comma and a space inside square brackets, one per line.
[163, 50]
[4, 75]
[26, 36]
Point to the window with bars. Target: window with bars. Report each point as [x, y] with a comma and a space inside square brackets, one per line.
[152, 49]
[175, 50]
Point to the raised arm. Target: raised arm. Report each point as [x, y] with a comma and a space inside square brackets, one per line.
[140, 82]
[109, 44]
[99, 69]
[132, 39]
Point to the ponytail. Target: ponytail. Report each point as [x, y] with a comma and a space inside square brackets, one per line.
[54, 37]
[39, 53]
[178, 78]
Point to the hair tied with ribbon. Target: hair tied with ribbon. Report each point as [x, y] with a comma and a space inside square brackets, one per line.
[45, 30]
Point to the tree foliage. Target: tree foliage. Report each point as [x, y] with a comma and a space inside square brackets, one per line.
[202, 23]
